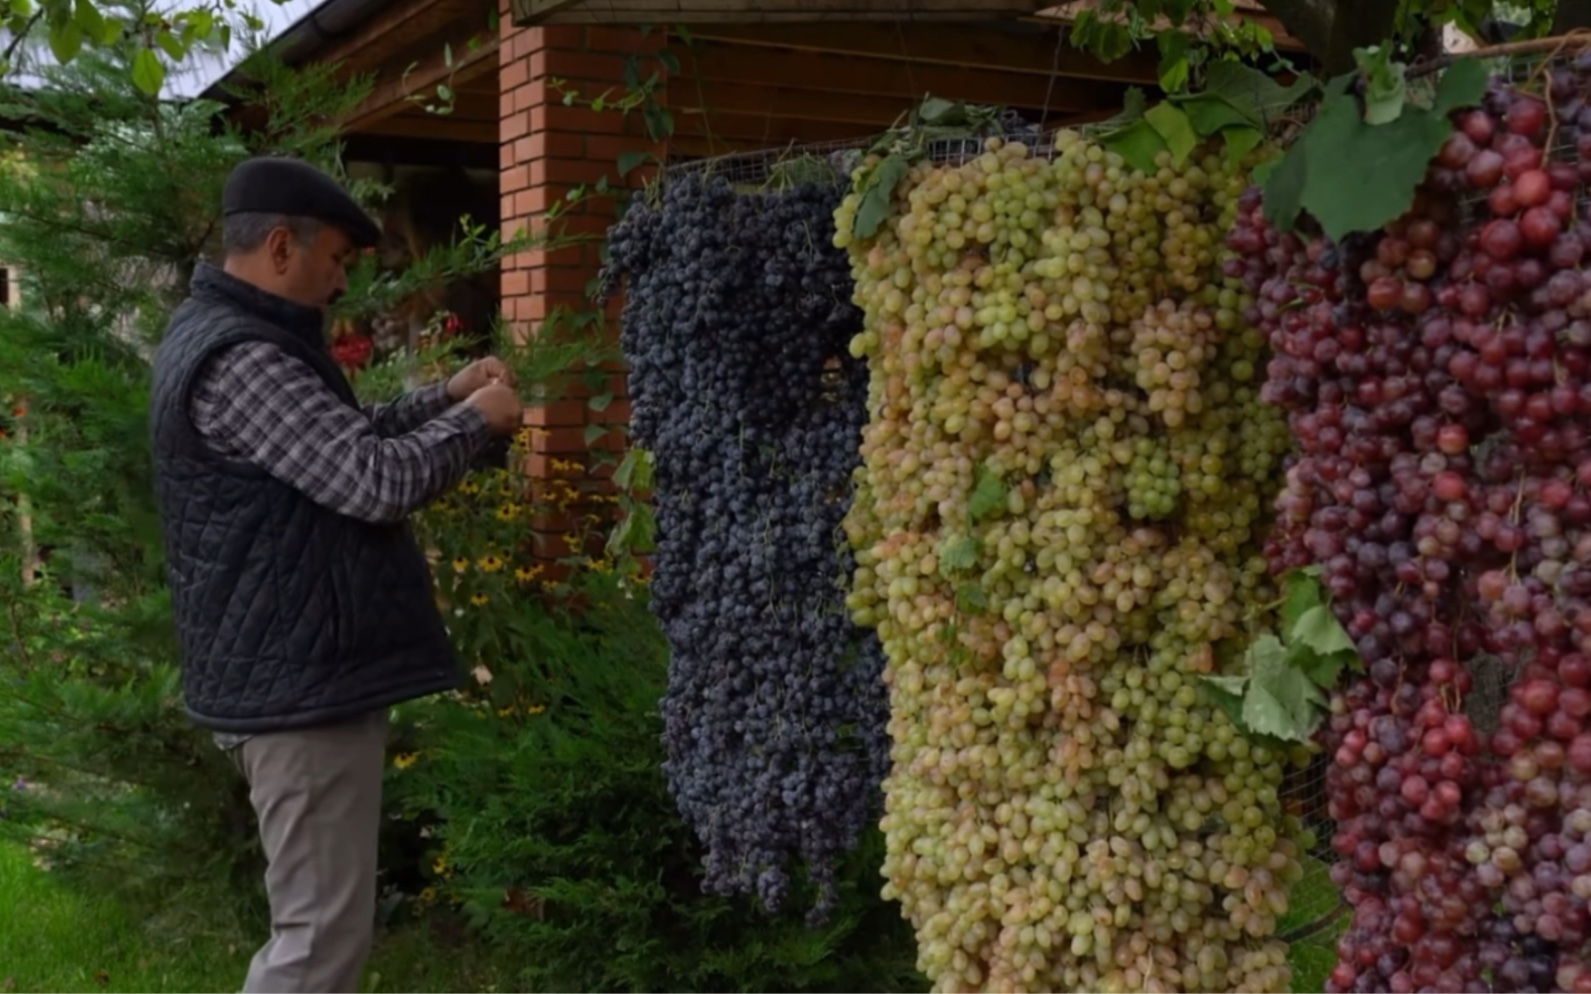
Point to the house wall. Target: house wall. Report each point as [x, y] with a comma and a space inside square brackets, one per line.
[549, 149]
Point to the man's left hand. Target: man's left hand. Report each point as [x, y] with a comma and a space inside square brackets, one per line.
[478, 374]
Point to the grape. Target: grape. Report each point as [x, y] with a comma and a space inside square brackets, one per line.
[1440, 485]
[1059, 529]
[735, 332]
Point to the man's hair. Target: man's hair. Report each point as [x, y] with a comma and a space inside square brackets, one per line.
[246, 232]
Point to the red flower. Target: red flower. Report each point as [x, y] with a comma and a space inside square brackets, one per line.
[352, 351]
[452, 326]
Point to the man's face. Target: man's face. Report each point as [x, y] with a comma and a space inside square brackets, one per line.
[313, 271]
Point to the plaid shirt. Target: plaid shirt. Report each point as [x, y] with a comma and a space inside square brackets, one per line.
[256, 404]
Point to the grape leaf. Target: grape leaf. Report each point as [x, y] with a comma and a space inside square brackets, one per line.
[1240, 142]
[1138, 143]
[1321, 670]
[878, 189]
[1361, 176]
[1319, 629]
[1226, 693]
[988, 495]
[1463, 85]
[1254, 93]
[1303, 593]
[971, 599]
[1386, 85]
[958, 554]
[1173, 126]
[1209, 113]
[1283, 182]
[1280, 700]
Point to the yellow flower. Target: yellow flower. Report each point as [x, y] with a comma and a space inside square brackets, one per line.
[479, 600]
[505, 712]
[405, 760]
[441, 867]
[522, 438]
[565, 465]
[490, 564]
[427, 897]
[525, 574]
[461, 565]
[599, 565]
[469, 487]
[536, 709]
[508, 512]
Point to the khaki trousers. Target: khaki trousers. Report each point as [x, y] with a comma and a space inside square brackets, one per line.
[317, 792]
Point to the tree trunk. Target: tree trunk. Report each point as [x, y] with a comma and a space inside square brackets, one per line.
[30, 549]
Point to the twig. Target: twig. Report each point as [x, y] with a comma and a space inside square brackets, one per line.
[1578, 38]
[16, 41]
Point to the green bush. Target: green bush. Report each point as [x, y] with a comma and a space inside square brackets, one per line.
[552, 826]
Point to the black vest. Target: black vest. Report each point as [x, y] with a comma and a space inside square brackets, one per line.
[288, 614]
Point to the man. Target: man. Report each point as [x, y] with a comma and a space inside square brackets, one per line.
[304, 607]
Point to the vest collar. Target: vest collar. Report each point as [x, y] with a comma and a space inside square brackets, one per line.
[215, 284]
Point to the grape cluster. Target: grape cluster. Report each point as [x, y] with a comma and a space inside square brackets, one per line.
[735, 326]
[1059, 529]
[1435, 374]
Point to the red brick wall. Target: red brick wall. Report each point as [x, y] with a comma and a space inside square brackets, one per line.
[547, 150]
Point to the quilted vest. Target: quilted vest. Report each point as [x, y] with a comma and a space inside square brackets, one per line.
[288, 614]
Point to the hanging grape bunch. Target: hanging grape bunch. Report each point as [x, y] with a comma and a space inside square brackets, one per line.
[1435, 374]
[1059, 524]
[735, 328]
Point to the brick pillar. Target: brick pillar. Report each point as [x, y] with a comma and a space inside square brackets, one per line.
[548, 149]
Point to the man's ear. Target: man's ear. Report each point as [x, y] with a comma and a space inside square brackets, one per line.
[279, 248]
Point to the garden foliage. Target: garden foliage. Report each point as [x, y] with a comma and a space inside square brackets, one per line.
[533, 802]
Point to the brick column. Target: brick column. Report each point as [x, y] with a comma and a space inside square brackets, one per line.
[548, 150]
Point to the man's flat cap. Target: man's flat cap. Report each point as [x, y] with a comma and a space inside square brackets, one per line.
[296, 189]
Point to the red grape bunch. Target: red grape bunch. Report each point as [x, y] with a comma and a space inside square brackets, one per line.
[1435, 375]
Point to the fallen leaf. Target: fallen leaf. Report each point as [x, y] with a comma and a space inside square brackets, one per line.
[101, 977]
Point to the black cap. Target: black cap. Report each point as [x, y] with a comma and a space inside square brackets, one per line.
[296, 189]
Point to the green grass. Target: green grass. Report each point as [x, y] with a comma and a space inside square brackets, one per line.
[55, 939]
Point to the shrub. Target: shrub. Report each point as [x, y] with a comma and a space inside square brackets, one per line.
[553, 828]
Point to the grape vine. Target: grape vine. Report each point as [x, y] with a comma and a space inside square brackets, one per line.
[1066, 484]
[744, 396]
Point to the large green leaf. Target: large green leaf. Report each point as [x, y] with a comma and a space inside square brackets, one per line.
[1280, 700]
[1138, 143]
[1172, 125]
[877, 190]
[149, 73]
[1318, 629]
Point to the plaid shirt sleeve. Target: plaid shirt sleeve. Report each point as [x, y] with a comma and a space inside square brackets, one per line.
[256, 404]
[410, 411]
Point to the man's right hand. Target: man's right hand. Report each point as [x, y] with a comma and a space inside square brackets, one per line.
[504, 413]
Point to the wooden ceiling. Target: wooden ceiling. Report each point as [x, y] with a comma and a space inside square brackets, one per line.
[743, 86]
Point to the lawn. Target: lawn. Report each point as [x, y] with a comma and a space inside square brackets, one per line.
[52, 939]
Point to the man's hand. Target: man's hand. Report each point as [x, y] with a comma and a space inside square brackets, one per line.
[504, 413]
[478, 374]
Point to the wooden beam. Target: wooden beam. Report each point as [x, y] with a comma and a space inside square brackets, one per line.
[402, 25]
[1023, 49]
[387, 150]
[819, 71]
[400, 81]
[434, 127]
[527, 12]
[768, 132]
[693, 97]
